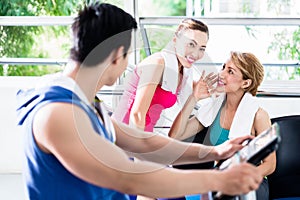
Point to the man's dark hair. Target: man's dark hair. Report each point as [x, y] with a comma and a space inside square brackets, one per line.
[98, 29]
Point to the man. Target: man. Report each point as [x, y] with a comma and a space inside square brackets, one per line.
[74, 151]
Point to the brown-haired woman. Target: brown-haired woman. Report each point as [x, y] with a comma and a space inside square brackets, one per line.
[163, 78]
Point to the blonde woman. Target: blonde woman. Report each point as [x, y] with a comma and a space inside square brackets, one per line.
[235, 113]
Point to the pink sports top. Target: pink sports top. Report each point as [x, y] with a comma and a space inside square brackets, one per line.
[161, 100]
[165, 96]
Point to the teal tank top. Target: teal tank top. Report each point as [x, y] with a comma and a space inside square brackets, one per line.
[217, 134]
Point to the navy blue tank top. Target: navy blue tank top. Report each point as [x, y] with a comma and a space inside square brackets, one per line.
[45, 177]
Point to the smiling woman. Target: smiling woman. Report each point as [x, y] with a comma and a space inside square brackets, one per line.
[163, 78]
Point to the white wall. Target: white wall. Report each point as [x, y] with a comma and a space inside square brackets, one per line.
[10, 136]
[277, 107]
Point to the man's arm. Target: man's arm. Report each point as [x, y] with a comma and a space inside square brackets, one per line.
[165, 150]
[66, 132]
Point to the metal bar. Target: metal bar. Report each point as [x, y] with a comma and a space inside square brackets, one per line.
[259, 94]
[32, 61]
[49, 61]
[278, 94]
[110, 92]
[36, 20]
[223, 21]
[278, 64]
[135, 35]
[145, 40]
[67, 20]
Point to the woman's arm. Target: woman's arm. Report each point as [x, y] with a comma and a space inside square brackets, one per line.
[150, 71]
[261, 123]
[183, 127]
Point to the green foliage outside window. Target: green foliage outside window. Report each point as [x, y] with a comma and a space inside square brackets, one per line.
[20, 41]
[288, 48]
[159, 36]
[33, 41]
[170, 7]
[285, 43]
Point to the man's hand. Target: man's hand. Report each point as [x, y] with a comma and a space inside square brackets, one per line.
[239, 179]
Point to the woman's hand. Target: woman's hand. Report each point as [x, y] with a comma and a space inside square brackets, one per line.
[203, 88]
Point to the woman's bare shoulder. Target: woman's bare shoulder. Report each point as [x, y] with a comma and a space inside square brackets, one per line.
[262, 121]
[262, 114]
[153, 64]
[155, 58]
